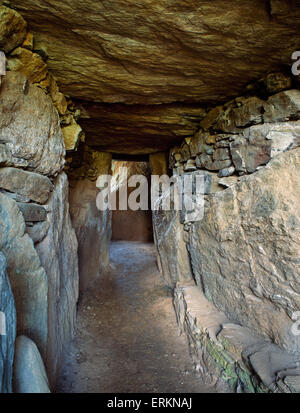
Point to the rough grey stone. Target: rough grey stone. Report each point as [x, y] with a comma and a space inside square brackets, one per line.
[169, 239]
[248, 154]
[29, 127]
[7, 329]
[93, 230]
[29, 371]
[226, 172]
[208, 163]
[233, 119]
[259, 143]
[282, 106]
[269, 361]
[38, 231]
[58, 255]
[32, 212]
[27, 277]
[247, 244]
[14, 196]
[28, 184]
[221, 154]
[228, 181]
[4, 152]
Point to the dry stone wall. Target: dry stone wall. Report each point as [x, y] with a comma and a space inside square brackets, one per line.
[244, 253]
[38, 245]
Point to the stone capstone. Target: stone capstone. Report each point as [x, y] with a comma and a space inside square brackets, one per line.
[162, 52]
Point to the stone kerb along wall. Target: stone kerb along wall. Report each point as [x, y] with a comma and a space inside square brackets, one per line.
[36, 237]
[244, 254]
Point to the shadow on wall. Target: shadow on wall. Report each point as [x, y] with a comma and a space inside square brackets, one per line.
[131, 225]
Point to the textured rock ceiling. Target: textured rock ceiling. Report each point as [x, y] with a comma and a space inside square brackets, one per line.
[138, 129]
[160, 51]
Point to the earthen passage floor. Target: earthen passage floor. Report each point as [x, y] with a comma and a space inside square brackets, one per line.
[127, 338]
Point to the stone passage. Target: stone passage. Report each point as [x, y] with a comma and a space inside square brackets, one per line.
[127, 338]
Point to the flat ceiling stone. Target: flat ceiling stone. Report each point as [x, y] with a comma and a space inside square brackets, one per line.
[161, 51]
[138, 129]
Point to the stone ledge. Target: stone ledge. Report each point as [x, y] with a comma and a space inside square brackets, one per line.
[222, 350]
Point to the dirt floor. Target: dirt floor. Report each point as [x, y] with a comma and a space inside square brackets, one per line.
[127, 338]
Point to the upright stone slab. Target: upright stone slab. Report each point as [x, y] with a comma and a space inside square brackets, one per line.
[7, 329]
[27, 277]
[93, 230]
[245, 251]
[58, 255]
[29, 371]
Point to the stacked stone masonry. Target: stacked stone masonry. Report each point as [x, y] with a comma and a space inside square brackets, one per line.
[243, 254]
[38, 246]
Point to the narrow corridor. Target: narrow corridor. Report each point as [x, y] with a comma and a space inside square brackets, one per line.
[127, 338]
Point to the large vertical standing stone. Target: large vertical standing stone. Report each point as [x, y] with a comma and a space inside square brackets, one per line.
[58, 255]
[93, 230]
[29, 375]
[245, 251]
[27, 277]
[7, 328]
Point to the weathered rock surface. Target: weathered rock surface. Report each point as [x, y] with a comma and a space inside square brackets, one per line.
[30, 132]
[58, 255]
[259, 143]
[163, 51]
[28, 63]
[159, 163]
[138, 129]
[32, 212]
[224, 350]
[38, 231]
[88, 163]
[29, 184]
[12, 29]
[29, 370]
[72, 134]
[169, 240]
[283, 106]
[27, 277]
[7, 329]
[93, 230]
[14, 196]
[245, 251]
